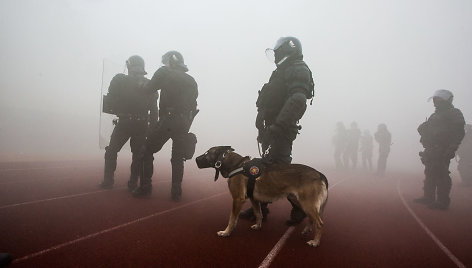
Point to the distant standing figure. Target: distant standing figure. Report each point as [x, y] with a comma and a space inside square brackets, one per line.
[384, 138]
[339, 142]
[440, 135]
[367, 146]
[136, 110]
[352, 146]
[465, 157]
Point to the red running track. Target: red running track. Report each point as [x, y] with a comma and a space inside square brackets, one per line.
[53, 215]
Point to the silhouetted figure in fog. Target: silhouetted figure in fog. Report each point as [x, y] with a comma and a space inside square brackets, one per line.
[177, 109]
[384, 139]
[440, 135]
[352, 146]
[339, 142]
[135, 110]
[465, 157]
[281, 103]
[367, 147]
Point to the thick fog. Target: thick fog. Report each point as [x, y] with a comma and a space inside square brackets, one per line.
[373, 62]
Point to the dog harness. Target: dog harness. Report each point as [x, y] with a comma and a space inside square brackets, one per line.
[251, 169]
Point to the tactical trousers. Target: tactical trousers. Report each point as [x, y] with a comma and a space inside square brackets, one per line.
[437, 180]
[382, 163]
[135, 130]
[280, 150]
[173, 127]
[337, 158]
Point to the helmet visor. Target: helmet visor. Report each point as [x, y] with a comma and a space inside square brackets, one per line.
[270, 54]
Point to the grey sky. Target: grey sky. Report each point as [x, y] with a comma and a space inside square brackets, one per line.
[373, 62]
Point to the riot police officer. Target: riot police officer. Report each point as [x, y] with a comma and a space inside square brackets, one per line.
[177, 108]
[440, 135]
[384, 138]
[281, 103]
[135, 110]
[366, 149]
[339, 142]
[352, 146]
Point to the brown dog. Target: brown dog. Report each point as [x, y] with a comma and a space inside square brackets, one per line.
[303, 185]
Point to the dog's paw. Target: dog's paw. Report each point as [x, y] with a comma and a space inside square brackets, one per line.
[256, 227]
[306, 230]
[223, 233]
[313, 243]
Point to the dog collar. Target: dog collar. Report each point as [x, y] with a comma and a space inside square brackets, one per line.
[234, 172]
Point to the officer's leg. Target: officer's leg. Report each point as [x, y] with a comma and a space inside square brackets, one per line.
[158, 137]
[443, 186]
[281, 153]
[137, 141]
[429, 186]
[177, 162]
[117, 140]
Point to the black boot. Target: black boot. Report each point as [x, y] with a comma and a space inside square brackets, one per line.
[132, 183]
[144, 189]
[248, 214]
[296, 216]
[176, 192]
[108, 180]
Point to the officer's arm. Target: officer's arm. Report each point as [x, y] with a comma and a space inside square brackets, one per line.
[115, 83]
[157, 81]
[299, 85]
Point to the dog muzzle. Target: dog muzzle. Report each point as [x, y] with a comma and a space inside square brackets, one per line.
[202, 162]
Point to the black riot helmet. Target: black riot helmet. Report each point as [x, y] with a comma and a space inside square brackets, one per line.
[286, 48]
[174, 59]
[135, 65]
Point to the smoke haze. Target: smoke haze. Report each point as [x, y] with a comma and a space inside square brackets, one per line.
[373, 62]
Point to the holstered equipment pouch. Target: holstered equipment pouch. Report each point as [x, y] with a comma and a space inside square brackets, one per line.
[190, 142]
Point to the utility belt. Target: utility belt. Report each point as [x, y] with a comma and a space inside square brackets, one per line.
[173, 112]
[133, 117]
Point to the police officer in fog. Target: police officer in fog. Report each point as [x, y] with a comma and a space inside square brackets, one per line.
[441, 135]
[135, 109]
[384, 139]
[367, 146]
[339, 142]
[281, 103]
[177, 108]
[352, 146]
[465, 157]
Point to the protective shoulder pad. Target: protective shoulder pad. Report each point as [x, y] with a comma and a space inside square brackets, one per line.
[299, 78]
[455, 116]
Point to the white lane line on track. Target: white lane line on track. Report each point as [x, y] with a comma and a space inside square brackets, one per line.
[275, 250]
[451, 256]
[40, 168]
[83, 238]
[64, 197]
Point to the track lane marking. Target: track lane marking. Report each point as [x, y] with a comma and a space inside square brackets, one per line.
[276, 249]
[65, 197]
[39, 168]
[83, 238]
[451, 256]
